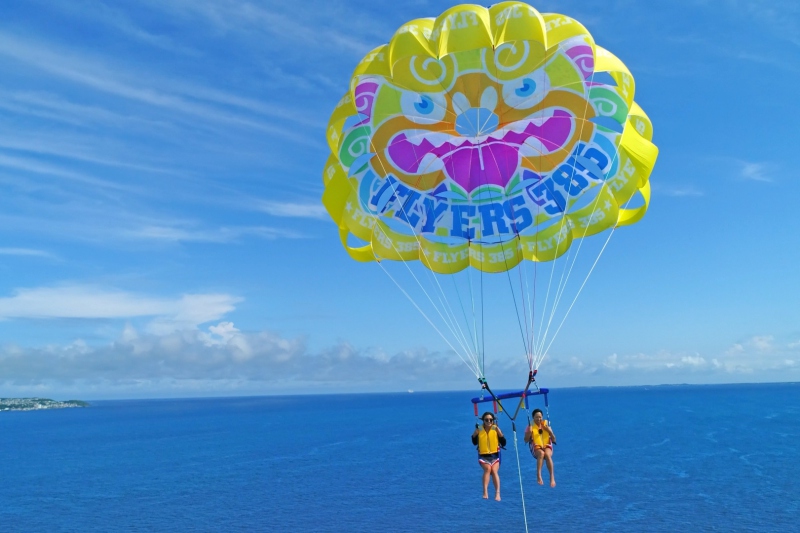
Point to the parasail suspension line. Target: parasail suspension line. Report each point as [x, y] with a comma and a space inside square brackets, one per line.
[519, 475]
[524, 333]
[450, 321]
[410, 299]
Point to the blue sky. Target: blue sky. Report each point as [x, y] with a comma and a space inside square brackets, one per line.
[161, 231]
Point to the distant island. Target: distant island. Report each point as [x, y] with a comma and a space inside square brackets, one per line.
[34, 404]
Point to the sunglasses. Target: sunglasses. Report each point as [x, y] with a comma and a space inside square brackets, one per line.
[488, 419]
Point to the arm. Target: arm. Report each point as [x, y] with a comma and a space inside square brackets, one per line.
[475, 435]
[527, 437]
[552, 435]
[501, 439]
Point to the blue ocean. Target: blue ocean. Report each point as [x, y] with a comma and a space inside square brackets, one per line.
[669, 458]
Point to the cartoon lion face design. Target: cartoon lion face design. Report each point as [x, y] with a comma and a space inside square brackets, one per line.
[484, 137]
[481, 130]
[506, 137]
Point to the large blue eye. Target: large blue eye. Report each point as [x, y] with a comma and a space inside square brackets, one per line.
[527, 89]
[424, 106]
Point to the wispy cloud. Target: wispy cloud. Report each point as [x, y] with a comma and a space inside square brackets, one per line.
[297, 210]
[685, 191]
[77, 148]
[743, 169]
[755, 172]
[771, 14]
[29, 252]
[122, 23]
[54, 171]
[317, 26]
[715, 47]
[138, 86]
[92, 302]
[218, 235]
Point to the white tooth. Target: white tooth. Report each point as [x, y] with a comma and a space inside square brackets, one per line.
[430, 163]
[499, 134]
[415, 137]
[541, 117]
[532, 147]
[518, 127]
[438, 139]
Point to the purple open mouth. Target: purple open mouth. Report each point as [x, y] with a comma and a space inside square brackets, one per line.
[475, 161]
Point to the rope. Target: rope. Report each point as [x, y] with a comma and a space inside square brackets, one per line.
[539, 357]
[524, 333]
[410, 299]
[546, 350]
[450, 320]
[519, 474]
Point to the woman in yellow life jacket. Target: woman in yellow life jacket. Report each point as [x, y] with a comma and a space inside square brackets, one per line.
[540, 438]
[488, 438]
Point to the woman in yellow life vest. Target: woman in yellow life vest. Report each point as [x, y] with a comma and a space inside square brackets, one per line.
[540, 438]
[488, 438]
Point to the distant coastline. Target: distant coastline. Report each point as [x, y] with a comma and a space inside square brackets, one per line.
[36, 404]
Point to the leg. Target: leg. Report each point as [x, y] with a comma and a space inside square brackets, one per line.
[539, 460]
[486, 473]
[496, 479]
[548, 455]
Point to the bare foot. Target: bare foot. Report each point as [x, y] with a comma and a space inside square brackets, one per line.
[497, 497]
[540, 481]
[485, 496]
[552, 482]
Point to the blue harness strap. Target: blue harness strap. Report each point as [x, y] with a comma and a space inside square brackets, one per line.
[497, 399]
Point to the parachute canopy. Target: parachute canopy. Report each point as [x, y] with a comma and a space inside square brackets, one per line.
[485, 137]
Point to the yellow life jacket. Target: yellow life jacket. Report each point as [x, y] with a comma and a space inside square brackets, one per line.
[487, 441]
[542, 439]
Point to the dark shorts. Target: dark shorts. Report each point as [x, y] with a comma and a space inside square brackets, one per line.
[489, 458]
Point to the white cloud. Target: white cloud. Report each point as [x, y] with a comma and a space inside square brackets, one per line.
[757, 358]
[688, 190]
[90, 302]
[759, 344]
[299, 210]
[755, 172]
[735, 349]
[762, 343]
[221, 358]
[82, 148]
[693, 360]
[142, 87]
[299, 29]
[612, 362]
[26, 252]
[98, 12]
[218, 235]
[193, 309]
[30, 165]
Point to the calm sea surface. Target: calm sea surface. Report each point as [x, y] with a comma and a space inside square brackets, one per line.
[710, 458]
